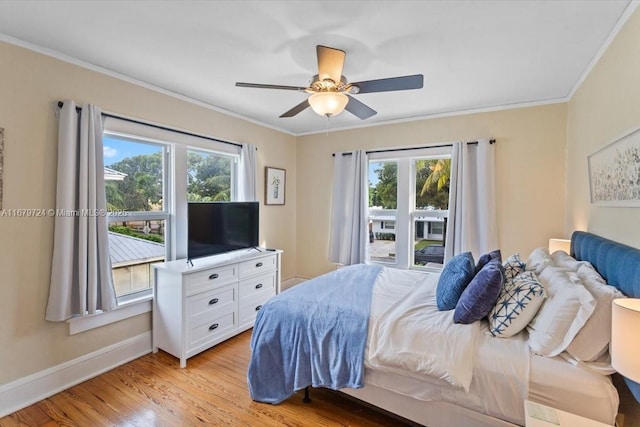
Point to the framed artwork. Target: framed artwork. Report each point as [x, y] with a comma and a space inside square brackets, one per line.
[614, 172]
[274, 186]
[1, 162]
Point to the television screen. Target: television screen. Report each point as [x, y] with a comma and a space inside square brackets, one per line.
[217, 227]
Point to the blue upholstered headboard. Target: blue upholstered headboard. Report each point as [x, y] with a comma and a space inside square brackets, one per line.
[619, 264]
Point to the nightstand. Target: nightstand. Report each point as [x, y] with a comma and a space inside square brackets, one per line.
[533, 412]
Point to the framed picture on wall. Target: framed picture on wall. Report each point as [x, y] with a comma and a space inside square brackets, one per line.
[274, 186]
[614, 172]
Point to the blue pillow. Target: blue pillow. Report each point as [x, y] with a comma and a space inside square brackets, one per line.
[455, 276]
[485, 258]
[481, 295]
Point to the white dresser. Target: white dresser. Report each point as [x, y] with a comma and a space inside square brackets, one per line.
[198, 306]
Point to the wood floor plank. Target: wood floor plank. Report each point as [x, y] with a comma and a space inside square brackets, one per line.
[211, 390]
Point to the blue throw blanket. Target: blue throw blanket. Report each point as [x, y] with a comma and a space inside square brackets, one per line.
[313, 334]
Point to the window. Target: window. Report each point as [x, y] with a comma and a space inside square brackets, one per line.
[436, 228]
[408, 206]
[136, 185]
[150, 175]
[430, 208]
[383, 195]
[209, 176]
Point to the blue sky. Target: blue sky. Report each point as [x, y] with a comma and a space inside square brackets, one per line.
[117, 149]
[373, 177]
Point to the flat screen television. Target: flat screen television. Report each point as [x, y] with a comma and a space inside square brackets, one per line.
[218, 227]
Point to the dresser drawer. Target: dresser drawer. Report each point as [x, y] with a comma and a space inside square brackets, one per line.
[198, 305]
[210, 279]
[250, 306]
[254, 285]
[257, 266]
[210, 301]
[204, 332]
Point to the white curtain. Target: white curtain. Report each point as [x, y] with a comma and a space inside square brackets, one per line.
[349, 209]
[472, 222]
[247, 176]
[81, 281]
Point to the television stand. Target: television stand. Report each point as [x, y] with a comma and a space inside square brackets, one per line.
[204, 301]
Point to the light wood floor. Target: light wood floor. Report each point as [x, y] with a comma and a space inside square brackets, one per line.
[211, 390]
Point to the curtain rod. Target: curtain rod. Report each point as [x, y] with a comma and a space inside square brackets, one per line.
[114, 116]
[387, 150]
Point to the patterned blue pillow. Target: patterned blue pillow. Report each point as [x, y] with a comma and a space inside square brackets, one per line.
[518, 302]
[485, 258]
[455, 277]
[513, 266]
[480, 296]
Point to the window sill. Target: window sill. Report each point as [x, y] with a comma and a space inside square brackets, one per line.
[126, 310]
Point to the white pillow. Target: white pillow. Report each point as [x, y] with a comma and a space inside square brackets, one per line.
[593, 339]
[538, 260]
[566, 261]
[519, 300]
[565, 311]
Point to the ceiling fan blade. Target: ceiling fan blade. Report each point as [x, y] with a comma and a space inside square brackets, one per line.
[297, 109]
[261, 86]
[359, 109]
[391, 84]
[330, 63]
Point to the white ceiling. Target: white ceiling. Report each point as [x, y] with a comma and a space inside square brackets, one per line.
[473, 54]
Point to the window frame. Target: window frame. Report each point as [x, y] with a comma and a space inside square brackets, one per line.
[233, 169]
[174, 212]
[406, 213]
[165, 214]
[388, 225]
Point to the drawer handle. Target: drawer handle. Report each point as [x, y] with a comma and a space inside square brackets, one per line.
[213, 276]
[259, 265]
[213, 301]
[258, 308]
[214, 326]
[259, 285]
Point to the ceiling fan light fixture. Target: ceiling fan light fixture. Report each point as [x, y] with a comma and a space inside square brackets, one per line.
[330, 92]
[328, 103]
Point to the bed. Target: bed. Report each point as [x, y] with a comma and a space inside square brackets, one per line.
[342, 330]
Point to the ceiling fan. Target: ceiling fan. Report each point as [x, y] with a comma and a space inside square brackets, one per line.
[330, 91]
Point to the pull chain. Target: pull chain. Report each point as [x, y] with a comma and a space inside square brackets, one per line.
[327, 133]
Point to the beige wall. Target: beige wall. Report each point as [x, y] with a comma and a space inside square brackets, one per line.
[30, 85]
[606, 106]
[530, 175]
[535, 146]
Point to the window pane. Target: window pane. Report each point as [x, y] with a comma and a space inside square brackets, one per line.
[133, 174]
[428, 238]
[431, 209]
[383, 195]
[134, 246]
[432, 183]
[209, 176]
[134, 182]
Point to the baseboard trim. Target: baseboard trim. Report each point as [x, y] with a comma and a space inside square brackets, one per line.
[35, 387]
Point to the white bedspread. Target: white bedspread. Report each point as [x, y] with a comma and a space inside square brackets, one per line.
[408, 336]
[414, 338]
